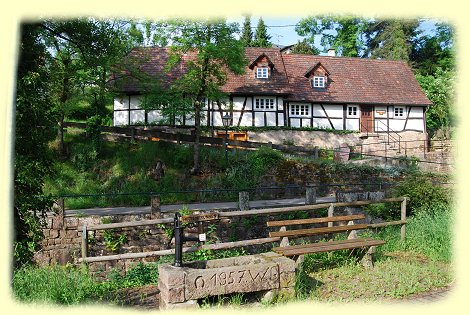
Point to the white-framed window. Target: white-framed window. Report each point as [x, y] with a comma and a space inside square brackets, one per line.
[352, 111]
[265, 103]
[262, 72]
[399, 112]
[318, 82]
[300, 110]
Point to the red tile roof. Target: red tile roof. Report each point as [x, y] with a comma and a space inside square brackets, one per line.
[350, 80]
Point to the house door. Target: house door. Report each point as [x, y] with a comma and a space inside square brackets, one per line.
[367, 119]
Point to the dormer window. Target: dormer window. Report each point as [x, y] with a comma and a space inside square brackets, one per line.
[318, 82]
[262, 72]
[318, 76]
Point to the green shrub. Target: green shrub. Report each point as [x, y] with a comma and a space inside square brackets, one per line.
[423, 194]
[263, 159]
[56, 285]
[139, 275]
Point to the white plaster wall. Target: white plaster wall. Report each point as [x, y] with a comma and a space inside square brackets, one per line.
[236, 117]
[217, 119]
[280, 119]
[380, 108]
[280, 103]
[294, 122]
[416, 112]
[120, 118]
[238, 103]
[318, 111]
[396, 124]
[321, 123]
[137, 116]
[415, 125]
[337, 123]
[306, 122]
[259, 119]
[246, 119]
[352, 124]
[249, 103]
[135, 102]
[271, 119]
[334, 111]
[121, 103]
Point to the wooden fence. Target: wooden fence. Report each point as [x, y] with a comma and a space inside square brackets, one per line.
[133, 133]
[226, 215]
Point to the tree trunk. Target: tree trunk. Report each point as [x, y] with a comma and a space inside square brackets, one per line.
[60, 134]
[197, 131]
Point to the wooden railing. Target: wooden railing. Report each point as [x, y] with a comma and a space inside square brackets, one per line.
[225, 216]
[135, 133]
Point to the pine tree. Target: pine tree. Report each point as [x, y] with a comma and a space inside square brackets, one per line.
[247, 34]
[262, 39]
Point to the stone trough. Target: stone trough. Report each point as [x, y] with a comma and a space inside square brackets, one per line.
[181, 287]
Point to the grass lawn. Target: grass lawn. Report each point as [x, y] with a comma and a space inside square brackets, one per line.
[394, 277]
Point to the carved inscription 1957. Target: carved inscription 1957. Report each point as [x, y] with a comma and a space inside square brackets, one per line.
[245, 278]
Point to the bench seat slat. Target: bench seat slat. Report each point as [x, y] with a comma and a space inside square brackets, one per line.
[337, 245]
[315, 220]
[324, 230]
[320, 244]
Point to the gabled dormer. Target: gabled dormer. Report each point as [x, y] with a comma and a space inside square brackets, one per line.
[318, 76]
[262, 67]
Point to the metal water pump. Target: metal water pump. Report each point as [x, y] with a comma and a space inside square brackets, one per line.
[180, 238]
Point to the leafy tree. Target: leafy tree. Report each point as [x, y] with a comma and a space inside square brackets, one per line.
[435, 51]
[303, 47]
[439, 88]
[212, 43]
[391, 39]
[83, 52]
[247, 33]
[34, 120]
[262, 38]
[344, 34]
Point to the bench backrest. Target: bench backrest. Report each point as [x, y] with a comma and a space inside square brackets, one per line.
[316, 230]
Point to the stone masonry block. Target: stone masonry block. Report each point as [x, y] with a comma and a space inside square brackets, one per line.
[171, 294]
[53, 233]
[191, 304]
[71, 223]
[71, 233]
[170, 275]
[287, 279]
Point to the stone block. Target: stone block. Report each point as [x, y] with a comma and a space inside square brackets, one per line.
[71, 233]
[287, 279]
[171, 294]
[71, 222]
[53, 233]
[170, 275]
[191, 304]
[201, 283]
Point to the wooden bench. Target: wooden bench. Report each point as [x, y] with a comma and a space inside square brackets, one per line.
[297, 251]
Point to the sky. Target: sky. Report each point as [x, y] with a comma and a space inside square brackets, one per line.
[286, 35]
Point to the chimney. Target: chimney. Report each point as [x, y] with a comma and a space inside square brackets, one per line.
[331, 52]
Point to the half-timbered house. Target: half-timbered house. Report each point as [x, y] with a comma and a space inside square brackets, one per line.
[292, 90]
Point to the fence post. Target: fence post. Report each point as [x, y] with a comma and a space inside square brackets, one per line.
[155, 210]
[243, 200]
[315, 153]
[403, 217]
[331, 210]
[84, 242]
[60, 217]
[310, 195]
